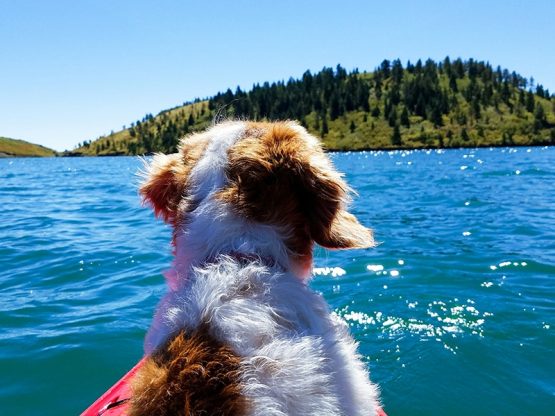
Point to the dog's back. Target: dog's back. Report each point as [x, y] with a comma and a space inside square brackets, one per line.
[239, 331]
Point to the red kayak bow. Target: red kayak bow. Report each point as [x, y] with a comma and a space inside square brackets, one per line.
[116, 400]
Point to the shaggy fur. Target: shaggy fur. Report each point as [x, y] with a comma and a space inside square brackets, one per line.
[194, 374]
[247, 202]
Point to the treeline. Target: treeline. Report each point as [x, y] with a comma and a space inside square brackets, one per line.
[423, 104]
[430, 91]
[328, 93]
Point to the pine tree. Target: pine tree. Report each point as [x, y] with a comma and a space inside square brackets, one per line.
[325, 129]
[464, 135]
[436, 117]
[385, 68]
[396, 136]
[392, 118]
[394, 94]
[317, 122]
[335, 110]
[453, 83]
[397, 71]
[405, 121]
[540, 120]
[521, 99]
[476, 109]
[505, 92]
[530, 104]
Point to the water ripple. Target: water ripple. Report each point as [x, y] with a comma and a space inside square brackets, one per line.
[459, 292]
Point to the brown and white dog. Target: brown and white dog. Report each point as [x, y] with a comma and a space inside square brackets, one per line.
[239, 331]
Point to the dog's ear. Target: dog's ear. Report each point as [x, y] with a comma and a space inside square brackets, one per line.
[331, 225]
[167, 177]
[343, 232]
[164, 185]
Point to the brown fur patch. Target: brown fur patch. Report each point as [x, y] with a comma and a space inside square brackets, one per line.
[278, 177]
[192, 375]
[345, 232]
[166, 185]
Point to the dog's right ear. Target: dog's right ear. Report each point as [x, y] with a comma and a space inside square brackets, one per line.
[164, 186]
[167, 177]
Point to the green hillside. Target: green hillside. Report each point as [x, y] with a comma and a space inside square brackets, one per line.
[447, 104]
[21, 148]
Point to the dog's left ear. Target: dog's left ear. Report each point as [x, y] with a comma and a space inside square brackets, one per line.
[344, 232]
[331, 225]
[166, 178]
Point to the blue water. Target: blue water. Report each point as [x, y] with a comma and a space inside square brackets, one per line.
[454, 310]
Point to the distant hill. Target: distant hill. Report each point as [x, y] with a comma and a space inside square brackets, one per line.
[420, 105]
[21, 148]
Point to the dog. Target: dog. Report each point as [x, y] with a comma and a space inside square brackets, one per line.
[239, 331]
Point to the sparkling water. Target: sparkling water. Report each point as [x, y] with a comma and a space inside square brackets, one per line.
[454, 310]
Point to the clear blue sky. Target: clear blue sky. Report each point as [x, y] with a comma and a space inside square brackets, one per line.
[73, 70]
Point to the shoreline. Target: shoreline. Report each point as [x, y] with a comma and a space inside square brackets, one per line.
[366, 149]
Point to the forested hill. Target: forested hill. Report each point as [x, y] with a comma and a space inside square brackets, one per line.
[420, 105]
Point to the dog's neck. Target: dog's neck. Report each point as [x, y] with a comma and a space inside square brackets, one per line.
[213, 230]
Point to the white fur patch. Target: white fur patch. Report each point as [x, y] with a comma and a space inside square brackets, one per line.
[297, 358]
[208, 174]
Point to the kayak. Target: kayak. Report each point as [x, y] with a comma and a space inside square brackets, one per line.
[116, 400]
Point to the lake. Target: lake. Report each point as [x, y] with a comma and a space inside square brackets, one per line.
[454, 310]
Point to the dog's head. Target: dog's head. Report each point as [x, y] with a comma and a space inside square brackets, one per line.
[274, 174]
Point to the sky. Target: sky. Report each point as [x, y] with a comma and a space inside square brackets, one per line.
[74, 70]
